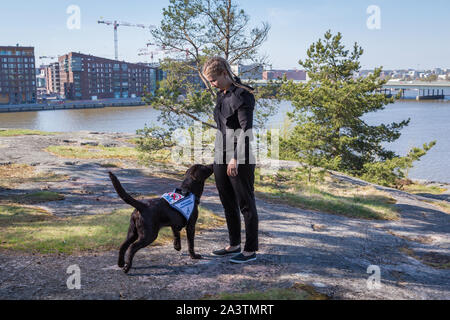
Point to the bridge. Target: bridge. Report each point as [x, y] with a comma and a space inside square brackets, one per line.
[425, 90]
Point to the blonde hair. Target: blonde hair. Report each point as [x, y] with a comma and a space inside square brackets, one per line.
[217, 65]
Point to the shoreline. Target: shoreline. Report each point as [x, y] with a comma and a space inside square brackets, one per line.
[283, 163]
[67, 106]
[431, 182]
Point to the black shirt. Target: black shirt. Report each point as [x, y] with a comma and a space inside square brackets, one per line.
[233, 111]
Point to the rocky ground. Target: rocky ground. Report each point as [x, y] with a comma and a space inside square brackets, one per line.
[334, 258]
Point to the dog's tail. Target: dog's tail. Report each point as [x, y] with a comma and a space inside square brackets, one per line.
[124, 195]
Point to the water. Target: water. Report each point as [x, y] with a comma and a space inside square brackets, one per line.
[429, 121]
[113, 119]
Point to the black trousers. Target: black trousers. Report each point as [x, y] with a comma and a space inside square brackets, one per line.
[237, 194]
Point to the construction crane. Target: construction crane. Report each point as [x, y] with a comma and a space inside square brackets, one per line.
[47, 57]
[116, 24]
[162, 50]
[145, 52]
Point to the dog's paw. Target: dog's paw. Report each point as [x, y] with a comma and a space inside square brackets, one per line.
[196, 256]
[126, 268]
[121, 264]
[177, 246]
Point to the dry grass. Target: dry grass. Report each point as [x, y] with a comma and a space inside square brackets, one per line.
[420, 239]
[329, 196]
[94, 152]
[417, 188]
[31, 229]
[22, 132]
[31, 198]
[102, 152]
[112, 165]
[12, 175]
[432, 259]
[444, 206]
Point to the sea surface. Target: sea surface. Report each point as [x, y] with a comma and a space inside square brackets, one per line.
[430, 120]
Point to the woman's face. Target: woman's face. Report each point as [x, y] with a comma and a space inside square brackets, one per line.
[222, 81]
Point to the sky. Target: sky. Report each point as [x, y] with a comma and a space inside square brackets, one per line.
[400, 34]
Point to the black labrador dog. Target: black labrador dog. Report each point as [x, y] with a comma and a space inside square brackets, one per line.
[151, 215]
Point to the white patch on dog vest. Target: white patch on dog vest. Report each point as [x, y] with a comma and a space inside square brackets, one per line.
[184, 205]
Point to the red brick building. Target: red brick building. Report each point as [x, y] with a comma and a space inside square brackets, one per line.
[17, 75]
[85, 77]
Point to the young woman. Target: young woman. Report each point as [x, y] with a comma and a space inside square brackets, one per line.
[234, 168]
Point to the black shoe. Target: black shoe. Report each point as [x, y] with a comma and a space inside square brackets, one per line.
[240, 258]
[223, 252]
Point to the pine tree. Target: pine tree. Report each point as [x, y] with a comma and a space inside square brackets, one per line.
[195, 30]
[329, 109]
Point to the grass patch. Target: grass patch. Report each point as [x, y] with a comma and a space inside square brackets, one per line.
[11, 214]
[12, 175]
[443, 205]
[436, 260]
[111, 165]
[102, 152]
[23, 132]
[417, 188]
[161, 156]
[134, 141]
[94, 152]
[30, 229]
[297, 292]
[419, 238]
[32, 198]
[432, 259]
[329, 196]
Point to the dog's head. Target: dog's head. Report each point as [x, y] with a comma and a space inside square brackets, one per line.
[194, 179]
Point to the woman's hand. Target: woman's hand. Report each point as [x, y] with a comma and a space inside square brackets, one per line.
[232, 168]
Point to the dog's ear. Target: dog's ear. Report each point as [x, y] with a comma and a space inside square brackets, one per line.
[193, 172]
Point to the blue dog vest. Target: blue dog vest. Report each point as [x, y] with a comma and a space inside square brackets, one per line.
[183, 204]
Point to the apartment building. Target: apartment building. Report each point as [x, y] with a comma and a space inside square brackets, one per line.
[85, 77]
[52, 78]
[17, 75]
